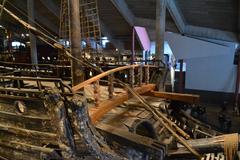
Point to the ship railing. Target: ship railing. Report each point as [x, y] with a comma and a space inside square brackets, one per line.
[133, 75]
[30, 87]
[37, 70]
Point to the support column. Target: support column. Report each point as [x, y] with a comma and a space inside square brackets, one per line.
[160, 28]
[33, 41]
[133, 58]
[75, 39]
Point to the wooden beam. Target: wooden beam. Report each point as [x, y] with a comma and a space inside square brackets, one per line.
[188, 98]
[204, 145]
[96, 113]
[27, 132]
[131, 138]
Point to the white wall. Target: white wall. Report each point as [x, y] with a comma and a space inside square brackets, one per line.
[209, 65]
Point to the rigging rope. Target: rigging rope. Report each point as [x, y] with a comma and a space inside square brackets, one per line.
[1, 11]
[29, 18]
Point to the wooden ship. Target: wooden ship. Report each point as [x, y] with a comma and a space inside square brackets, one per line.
[116, 114]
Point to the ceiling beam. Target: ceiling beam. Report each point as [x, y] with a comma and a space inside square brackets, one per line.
[150, 24]
[176, 15]
[210, 33]
[122, 7]
[187, 29]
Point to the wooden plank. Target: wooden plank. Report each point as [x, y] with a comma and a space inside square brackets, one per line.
[188, 98]
[26, 132]
[17, 117]
[96, 113]
[26, 147]
[204, 145]
[145, 142]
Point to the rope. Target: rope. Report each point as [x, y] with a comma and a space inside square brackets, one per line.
[230, 146]
[29, 18]
[1, 11]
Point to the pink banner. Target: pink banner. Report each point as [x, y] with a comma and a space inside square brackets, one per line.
[143, 37]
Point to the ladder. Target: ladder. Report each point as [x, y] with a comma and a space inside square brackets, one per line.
[89, 21]
[89, 17]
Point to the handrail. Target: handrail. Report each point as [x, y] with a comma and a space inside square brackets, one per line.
[31, 78]
[104, 74]
[27, 64]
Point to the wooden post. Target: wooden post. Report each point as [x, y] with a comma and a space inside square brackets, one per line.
[33, 41]
[160, 28]
[110, 86]
[96, 93]
[147, 75]
[77, 70]
[140, 75]
[132, 77]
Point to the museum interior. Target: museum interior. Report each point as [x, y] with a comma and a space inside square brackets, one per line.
[119, 79]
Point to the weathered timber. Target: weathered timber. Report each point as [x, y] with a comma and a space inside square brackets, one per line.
[110, 86]
[96, 113]
[91, 141]
[133, 142]
[18, 117]
[25, 147]
[60, 122]
[187, 98]
[26, 132]
[206, 145]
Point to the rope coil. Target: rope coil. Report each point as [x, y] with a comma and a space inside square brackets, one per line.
[230, 146]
